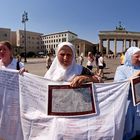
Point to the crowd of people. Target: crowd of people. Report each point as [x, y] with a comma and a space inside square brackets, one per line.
[94, 61]
[65, 68]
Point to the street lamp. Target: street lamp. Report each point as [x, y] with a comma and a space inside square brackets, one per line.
[24, 20]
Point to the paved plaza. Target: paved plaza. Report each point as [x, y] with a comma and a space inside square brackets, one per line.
[37, 66]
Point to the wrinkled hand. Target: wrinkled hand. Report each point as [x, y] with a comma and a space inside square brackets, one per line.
[78, 80]
[136, 74]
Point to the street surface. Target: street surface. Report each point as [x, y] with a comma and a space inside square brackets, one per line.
[37, 66]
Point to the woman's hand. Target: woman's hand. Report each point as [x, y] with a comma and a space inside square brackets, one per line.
[22, 70]
[136, 74]
[78, 80]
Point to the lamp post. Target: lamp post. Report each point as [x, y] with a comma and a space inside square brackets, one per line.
[24, 20]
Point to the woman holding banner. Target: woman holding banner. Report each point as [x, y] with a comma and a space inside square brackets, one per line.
[64, 67]
[129, 70]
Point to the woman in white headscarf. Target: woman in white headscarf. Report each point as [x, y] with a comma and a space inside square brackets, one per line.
[131, 65]
[130, 69]
[64, 67]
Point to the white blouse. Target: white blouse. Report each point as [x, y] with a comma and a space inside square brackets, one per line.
[12, 65]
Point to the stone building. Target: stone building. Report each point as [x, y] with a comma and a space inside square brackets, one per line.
[127, 38]
[33, 42]
[51, 41]
[84, 46]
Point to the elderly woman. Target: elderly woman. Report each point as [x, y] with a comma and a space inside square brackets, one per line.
[64, 67]
[130, 69]
[6, 57]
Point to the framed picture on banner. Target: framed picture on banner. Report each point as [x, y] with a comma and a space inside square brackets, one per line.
[136, 90]
[64, 100]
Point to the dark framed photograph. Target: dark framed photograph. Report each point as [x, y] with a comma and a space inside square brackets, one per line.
[136, 90]
[64, 100]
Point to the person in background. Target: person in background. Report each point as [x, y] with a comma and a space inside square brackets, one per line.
[6, 58]
[49, 60]
[18, 61]
[96, 61]
[90, 61]
[65, 68]
[129, 70]
[81, 59]
[122, 58]
[101, 65]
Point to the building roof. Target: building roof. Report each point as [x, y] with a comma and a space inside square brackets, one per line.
[60, 33]
[82, 40]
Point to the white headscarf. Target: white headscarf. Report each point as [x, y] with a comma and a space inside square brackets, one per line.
[132, 50]
[57, 72]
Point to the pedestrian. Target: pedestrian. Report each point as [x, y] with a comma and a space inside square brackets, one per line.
[81, 59]
[18, 61]
[129, 70]
[49, 60]
[97, 55]
[122, 58]
[65, 68]
[101, 64]
[7, 59]
[90, 61]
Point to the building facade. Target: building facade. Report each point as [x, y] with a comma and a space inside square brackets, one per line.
[51, 41]
[5, 34]
[33, 42]
[17, 39]
[84, 46]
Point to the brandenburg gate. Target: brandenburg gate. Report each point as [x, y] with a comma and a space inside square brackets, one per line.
[120, 34]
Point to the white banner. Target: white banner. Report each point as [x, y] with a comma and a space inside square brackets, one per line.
[108, 123]
[10, 123]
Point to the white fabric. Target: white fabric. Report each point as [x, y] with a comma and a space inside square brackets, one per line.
[100, 61]
[89, 63]
[37, 125]
[58, 73]
[107, 124]
[10, 123]
[13, 64]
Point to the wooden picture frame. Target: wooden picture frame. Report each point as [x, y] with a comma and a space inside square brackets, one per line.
[135, 85]
[64, 100]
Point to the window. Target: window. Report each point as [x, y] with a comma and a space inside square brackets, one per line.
[63, 39]
[5, 35]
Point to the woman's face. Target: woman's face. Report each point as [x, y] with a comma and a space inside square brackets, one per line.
[5, 53]
[136, 59]
[65, 56]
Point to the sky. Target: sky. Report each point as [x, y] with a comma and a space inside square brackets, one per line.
[83, 17]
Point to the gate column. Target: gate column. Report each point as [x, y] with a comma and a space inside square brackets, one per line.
[107, 47]
[138, 43]
[101, 46]
[115, 47]
[124, 45]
